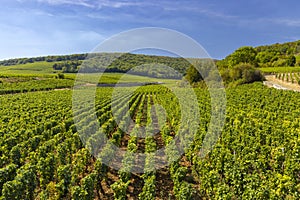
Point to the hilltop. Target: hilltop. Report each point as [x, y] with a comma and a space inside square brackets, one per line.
[115, 62]
[244, 65]
[275, 55]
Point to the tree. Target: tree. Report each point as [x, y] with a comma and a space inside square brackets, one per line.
[193, 75]
[291, 60]
[265, 57]
[242, 55]
[60, 76]
[242, 73]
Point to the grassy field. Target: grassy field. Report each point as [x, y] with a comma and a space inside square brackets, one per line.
[29, 69]
[112, 78]
[43, 70]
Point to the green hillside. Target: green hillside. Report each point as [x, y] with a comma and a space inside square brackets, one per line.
[113, 62]
[275, 55]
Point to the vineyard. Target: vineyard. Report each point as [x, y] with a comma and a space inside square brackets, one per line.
[43, 157]
[20, 86]
[289, 77]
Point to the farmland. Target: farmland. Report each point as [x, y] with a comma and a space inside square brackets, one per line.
[131, 136]
[149, 100]
[257, 155]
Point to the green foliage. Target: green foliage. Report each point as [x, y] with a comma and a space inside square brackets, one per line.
[119, 189]
[67, 67]
[240, 74]
[146, 65]
[60, 76]
[193, 75]
[202, 70]
[77, 193]
[31, 85]
[7, 173]
[46, 167]
[291, 60]
[88, 184]
[250, 161]
[276, 55]
[23, 185]
[152, 66]
[288, 48]
[148, 192]
[184, 191]
[285, 61]
[15, 154]
[256, 157]
[264, 57]
[241, 55]
[16, 61]
[64, 177]
[269, 70]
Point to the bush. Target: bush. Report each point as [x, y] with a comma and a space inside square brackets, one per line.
[60, 76]
[241, 73]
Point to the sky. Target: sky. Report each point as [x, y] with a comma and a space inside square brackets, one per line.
[54, 27]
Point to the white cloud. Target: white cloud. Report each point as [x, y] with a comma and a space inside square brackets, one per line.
[287, 22]
[84, 3]
[27, 42]
[95, 3]
[118, 4]
[270, 21]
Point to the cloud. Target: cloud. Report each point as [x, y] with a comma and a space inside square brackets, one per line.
[119, 4]
[257, 22]
[27, 41]
[41, 13]
[95, 3]
[84, 3]
[287, 22]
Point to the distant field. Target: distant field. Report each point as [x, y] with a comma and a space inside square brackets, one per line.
[280, 69]
[126, 78]
[37, 68]
[39, 71]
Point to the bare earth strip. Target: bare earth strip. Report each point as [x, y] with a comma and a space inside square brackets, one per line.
[271, 81]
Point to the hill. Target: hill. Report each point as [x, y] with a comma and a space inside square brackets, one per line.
[113, 62]
[275, 55]
[246, 63]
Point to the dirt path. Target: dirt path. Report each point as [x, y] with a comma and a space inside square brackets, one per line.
[271, 81]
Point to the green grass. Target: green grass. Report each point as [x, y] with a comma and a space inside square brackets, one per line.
[112, 78]
[280, 69]
[297, 57]
[29, 69]
[45, 70]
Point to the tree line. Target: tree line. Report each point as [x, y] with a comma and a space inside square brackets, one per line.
[58, 58]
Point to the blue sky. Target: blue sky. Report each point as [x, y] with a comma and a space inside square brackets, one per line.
[50, 27]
